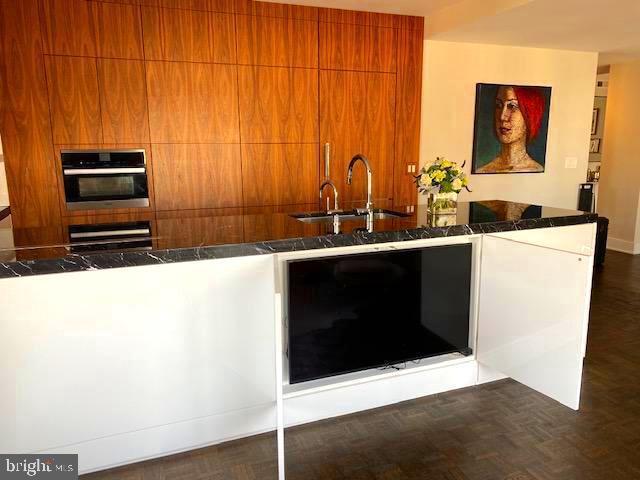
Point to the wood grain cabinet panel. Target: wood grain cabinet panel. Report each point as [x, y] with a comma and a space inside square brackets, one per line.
[409, 97]
[192, 103]
[197, 176]
[222, 38]
[74, 99]
[278, 105]
[357, 47]
[124, 2]
[228, 6]
[68, 27]
[277, 41]
[357, 115]
[123, 100]
[288, 174]
[273, 223]
[118, 30]
[24, 118]
[353, 17]
[279, 10]
[188, 35]
[186, 231]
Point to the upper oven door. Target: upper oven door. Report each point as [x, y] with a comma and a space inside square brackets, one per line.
[105, 179]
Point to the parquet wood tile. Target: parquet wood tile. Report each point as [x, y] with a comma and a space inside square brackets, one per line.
[497, 431]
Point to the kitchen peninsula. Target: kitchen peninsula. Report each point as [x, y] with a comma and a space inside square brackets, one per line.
[185, 338]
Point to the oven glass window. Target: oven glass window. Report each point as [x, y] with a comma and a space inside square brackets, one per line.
[120, 186]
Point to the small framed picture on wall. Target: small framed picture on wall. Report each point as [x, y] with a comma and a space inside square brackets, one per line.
[594, 121]
[594, 146]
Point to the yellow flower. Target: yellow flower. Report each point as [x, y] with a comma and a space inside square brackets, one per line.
[439, 176]
[456, 185]
[425, 179]
[446, 164]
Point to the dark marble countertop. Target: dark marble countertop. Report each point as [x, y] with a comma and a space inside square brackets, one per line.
[221, 233]
[4, 212]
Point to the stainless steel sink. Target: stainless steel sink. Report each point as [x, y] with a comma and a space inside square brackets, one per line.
[324, 217]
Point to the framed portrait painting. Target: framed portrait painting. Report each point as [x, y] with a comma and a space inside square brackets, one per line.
[510, 129]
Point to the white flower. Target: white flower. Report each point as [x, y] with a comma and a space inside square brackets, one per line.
[425, 179]
[456, 185]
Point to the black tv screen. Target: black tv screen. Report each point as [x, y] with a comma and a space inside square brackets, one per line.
[355, 312]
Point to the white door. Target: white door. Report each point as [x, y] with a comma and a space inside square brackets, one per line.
[534, 305]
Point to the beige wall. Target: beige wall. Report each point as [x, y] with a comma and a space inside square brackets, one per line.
[451, 71]
[620, 173]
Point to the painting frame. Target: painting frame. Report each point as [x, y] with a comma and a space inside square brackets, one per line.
[487, 144]
[595, 117]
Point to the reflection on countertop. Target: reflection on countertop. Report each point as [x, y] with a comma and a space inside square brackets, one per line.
[245, 228]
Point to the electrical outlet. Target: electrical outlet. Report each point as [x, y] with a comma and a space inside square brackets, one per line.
[571, 162]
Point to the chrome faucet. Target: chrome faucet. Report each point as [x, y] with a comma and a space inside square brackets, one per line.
[369, 207]
[336, 209]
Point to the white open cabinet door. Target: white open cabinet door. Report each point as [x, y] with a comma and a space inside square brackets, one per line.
[533, 309]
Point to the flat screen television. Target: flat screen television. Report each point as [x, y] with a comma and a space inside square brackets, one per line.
[356, 312]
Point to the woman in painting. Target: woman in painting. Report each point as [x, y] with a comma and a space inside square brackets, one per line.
[517, 119]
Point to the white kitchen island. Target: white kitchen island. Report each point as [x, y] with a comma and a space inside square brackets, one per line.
[121, 365]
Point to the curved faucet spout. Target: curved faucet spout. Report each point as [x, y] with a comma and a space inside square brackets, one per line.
[335, 195]
[363, 159]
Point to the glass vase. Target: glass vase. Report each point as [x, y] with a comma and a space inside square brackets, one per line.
[443, 203]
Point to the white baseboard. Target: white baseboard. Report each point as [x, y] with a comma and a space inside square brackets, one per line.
[136, 446]
[352, 398]
[487, 375]
[623, 246]
[132, 447]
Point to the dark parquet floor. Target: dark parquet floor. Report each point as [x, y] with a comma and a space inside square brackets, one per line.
[501, 430]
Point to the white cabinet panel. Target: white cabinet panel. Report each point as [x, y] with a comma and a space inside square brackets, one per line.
[578, 239]
[534, 304]
[99, 354]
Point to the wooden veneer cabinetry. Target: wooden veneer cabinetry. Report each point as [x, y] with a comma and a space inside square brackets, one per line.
[233, 98]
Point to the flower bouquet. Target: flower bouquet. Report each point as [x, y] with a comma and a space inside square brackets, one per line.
[442, 181]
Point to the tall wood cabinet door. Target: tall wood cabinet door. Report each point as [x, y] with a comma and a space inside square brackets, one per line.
[533, 307]
[408, 104]
[357, 115]
[358, 47]
[24, 118]
[123, 100]
[74, 99]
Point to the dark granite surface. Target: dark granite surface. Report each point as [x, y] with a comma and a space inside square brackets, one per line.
[207, 234]
[4, 212]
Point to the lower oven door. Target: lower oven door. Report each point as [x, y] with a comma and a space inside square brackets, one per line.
[110, 237]
[87, 189]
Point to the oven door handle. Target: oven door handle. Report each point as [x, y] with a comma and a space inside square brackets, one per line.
[103, 171]
[110, 233]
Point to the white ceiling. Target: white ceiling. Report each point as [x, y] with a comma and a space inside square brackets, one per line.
[610, 27]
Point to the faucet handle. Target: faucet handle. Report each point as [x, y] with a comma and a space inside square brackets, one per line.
[327, 159]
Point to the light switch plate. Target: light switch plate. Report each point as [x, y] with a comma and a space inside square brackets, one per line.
[571, 162]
